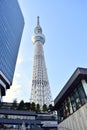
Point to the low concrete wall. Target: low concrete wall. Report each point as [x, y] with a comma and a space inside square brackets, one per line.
[76, 121]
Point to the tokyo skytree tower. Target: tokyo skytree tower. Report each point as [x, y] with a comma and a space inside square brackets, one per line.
[40, 90]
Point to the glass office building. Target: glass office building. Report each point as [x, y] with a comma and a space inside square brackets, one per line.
[11, 28]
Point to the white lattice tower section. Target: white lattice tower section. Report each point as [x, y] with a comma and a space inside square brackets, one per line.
[40, 91]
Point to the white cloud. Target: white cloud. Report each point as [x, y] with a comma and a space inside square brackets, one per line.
[17, 75]
[20, 59]
[15, 89]
[19, 90]
[21, 85]
[11, 93]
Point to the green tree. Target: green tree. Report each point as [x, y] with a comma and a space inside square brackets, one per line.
[38, 108]
[27, 106]
[44, 107]
[50, 107]
[33, 106]
[14, 104]
[21, 105]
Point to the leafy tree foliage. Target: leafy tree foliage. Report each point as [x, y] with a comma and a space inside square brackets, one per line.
[30, 106]
[14, 104]
[38, 107]
[50, 107]
[33, 106]
[27, 106]
[44, 107]
[21, 105]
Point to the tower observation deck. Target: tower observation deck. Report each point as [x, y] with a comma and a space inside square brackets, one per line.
[40, 90]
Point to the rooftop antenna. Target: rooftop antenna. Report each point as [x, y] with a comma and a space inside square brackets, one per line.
[37, 20]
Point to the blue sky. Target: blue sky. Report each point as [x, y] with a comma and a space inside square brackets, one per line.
[64, 24]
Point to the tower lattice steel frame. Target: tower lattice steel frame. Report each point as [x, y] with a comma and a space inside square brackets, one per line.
[40, 91]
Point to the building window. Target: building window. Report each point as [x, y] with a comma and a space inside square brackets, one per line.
[66, 108]
[82, 94]
[71, 103]
[77, 98]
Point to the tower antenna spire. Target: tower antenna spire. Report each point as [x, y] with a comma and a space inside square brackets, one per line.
[37, 20]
